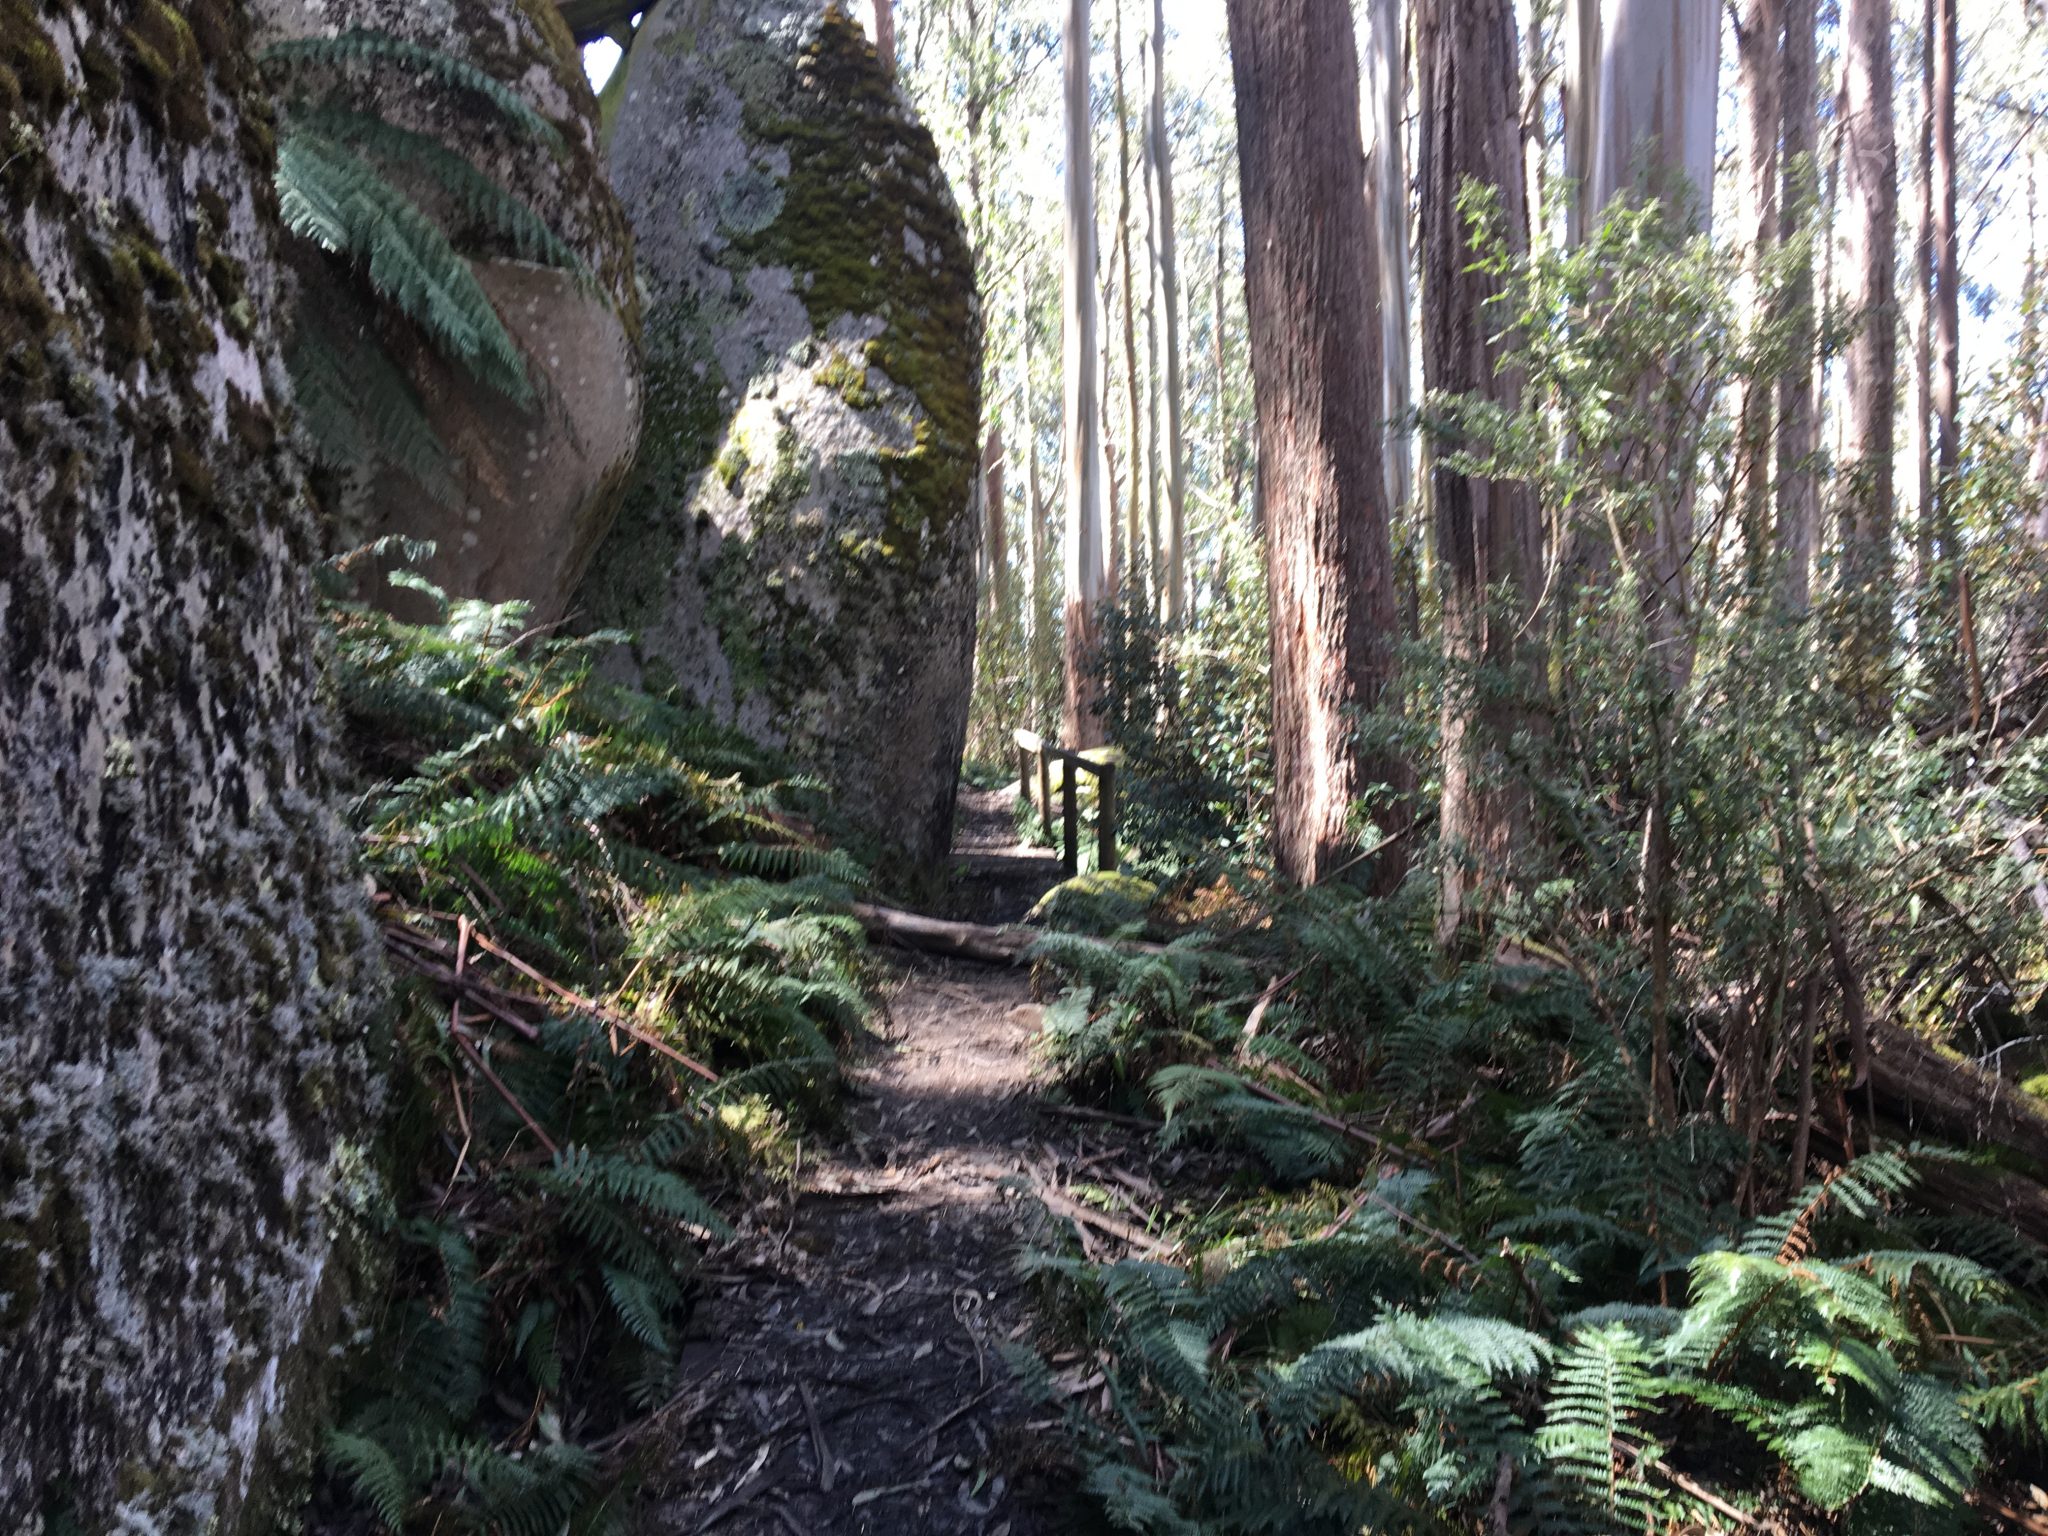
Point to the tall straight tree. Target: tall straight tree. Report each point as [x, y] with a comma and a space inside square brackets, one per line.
[1653, 138]
[885, 33]
[1135, 571]
[1086, 578]
[1488, 534]
[1386, 79]
[1799, 202]
[1760, 46]
[1312, 292]
[1870, 165]
[1160, 148]
[1947, 327]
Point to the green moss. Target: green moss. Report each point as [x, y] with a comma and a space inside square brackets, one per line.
[170, 72]
[868, 229]
[102, 76]
[848, 380]
[32, 68]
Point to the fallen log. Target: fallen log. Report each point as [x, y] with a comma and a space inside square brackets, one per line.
[936, 936]
[1929, 1088]
[1007, 944]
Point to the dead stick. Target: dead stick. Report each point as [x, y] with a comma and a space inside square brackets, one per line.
[828, 1471]
[497, 1083]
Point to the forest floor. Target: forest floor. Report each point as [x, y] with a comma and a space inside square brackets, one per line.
[846, 1372]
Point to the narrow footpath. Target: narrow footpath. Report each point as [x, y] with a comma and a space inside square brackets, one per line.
[847, 1372]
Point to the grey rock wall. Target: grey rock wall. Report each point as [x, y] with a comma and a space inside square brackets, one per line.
[185, 963]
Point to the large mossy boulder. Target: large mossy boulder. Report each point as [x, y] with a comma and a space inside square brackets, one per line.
[797, 549]
[185, 950]
[534, 488]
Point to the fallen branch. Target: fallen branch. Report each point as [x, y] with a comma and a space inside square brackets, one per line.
[1005, 945]
[1928, 1087]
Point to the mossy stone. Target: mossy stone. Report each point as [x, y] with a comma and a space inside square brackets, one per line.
[797, 549]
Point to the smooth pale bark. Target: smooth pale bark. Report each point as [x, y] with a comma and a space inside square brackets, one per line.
[1653, 135]
[1086, 579]
[1581, 93]
[1155, 542]
[1174, 384]
[1798, 415]
[1870, 188]
[1387, 173]
[1488, 532]
[1653, 139]
[1034, 535]
[1228, 463]
[1535, 130]
[1922, 322]
[1134, 517]
[1947, 346]
[997, 538]
[1759, 41]
[1312, 295]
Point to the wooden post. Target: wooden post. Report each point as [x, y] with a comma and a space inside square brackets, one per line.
[1045, 796]
[1105, 817]
[1024, 784]
[1070, 811]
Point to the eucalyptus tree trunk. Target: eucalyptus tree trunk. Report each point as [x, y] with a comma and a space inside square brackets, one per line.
[1535, 130]
[1134, 518]
[1947, 361]
[1035, 627]
[186, 964]
[996, 510]
[1488, 532]
[1086, 579]
[1310, 279]
[1581, 96]
[1155, 543]
[1921, 577]
[1870, 180]
[1653, 133]
[1175, 383]
[1387, 174]
[885, 34]
[1797, 501]
[1760, 44]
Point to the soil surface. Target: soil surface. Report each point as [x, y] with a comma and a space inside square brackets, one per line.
[847, 1372]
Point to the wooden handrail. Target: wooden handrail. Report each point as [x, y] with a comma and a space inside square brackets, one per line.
[1035, 758]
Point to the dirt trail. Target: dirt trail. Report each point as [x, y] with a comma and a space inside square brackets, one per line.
[848, 1374]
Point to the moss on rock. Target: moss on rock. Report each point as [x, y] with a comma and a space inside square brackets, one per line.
[188, 966]
[798, 546]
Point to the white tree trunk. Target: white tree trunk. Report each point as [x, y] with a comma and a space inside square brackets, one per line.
[1175, 384]
[1086, 579]
[1386, 168]
[1660, 74]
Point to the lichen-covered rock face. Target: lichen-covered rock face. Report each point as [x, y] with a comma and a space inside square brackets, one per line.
[798, 546]
[184, 953]
[539, 485]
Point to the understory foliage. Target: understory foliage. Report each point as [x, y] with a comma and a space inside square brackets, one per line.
[625, 970]
[366, 192]
[1603, 1213]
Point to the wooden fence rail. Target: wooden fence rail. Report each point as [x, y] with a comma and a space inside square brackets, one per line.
[1035, 757]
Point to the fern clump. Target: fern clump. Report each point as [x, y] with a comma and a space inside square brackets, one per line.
[621, 955]
[350, 182]
[1566, 1322]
